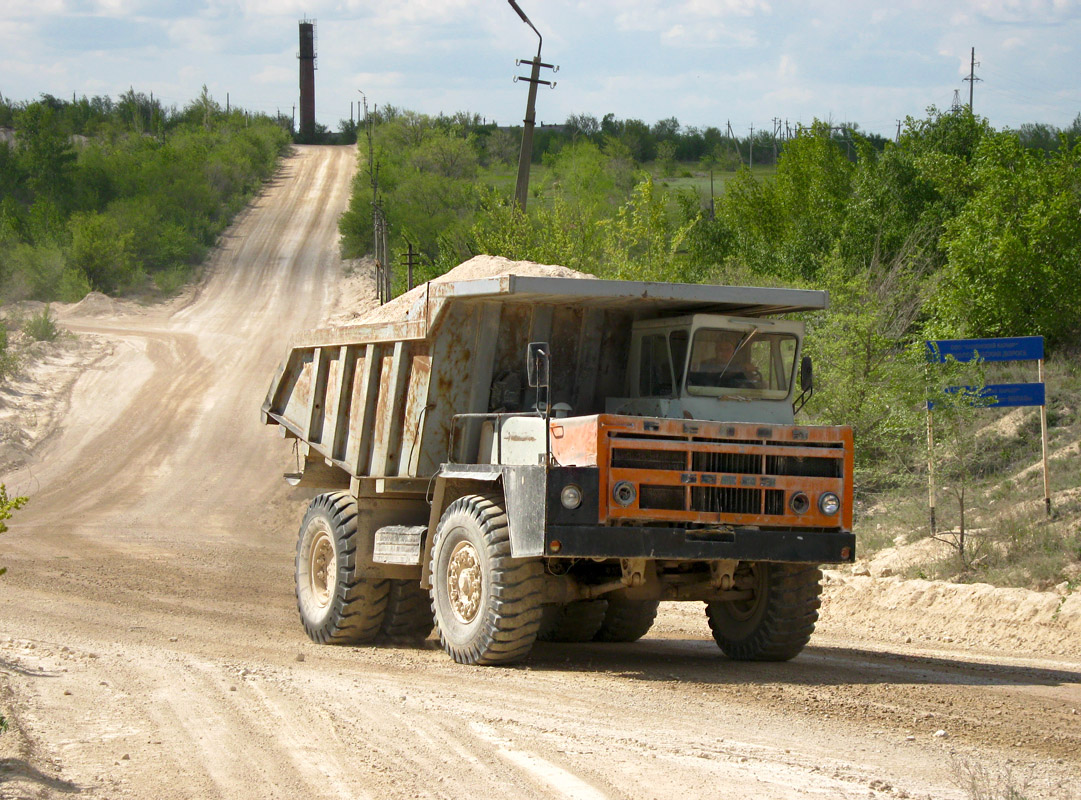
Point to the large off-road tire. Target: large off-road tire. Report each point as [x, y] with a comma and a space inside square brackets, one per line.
[487, 605]
[776, 623]
[336, 606]
[573, 622]
[409, 613]
[627, 620]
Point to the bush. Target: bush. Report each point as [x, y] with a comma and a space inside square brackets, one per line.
[8, 362]
[171, 281]
[42, 328]
[8, 506]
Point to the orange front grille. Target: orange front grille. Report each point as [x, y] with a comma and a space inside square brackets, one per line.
[718, 473]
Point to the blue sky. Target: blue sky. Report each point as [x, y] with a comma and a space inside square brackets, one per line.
[705, 62]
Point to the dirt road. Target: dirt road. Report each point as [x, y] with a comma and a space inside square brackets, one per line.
[149, 645]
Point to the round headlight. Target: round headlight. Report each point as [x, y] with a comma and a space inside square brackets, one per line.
[624, 493]
[829, 503]
[799, 503]
[571, 496]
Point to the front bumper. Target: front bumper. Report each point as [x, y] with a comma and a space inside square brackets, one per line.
[679, 544]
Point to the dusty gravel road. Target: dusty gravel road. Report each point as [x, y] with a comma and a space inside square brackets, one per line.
[149, 645]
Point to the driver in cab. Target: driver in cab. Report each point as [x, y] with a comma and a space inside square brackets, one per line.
[718, 360]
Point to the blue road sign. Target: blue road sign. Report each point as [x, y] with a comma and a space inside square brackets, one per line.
[1014, 348]
[1006, 395]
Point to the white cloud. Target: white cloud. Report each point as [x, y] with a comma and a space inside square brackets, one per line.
[1025, 11]
[274, 74]
[786, 69]
[15, 9]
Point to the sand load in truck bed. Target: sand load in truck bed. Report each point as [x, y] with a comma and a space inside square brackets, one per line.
[411, 304]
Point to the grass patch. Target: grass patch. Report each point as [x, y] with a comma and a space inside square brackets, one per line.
[980, 782]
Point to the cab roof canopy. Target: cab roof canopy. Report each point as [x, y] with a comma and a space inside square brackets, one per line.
[414, 314]
[673, 298]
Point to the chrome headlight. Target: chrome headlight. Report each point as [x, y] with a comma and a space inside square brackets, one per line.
[829, 503]
[571, 496]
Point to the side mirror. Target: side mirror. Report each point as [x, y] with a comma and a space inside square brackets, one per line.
[537, 364]
[806, 384]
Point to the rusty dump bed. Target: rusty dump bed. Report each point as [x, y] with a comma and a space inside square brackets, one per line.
[378, 399]
[709, 473]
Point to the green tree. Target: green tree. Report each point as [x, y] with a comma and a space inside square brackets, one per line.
[102, 250]
[789, 224]
[45, 152]
[666, 157]
[1014, 249]
[869, 366]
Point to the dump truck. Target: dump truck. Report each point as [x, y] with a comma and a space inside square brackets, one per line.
[524, 457]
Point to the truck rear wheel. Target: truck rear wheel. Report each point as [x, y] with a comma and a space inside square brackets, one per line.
[777, 621]
[409, 613]
[487, 605]
[627, 620]
[573, 622]
[336, 606]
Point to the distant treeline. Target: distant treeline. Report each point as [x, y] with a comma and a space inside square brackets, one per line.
[121, 195]
[667, 140]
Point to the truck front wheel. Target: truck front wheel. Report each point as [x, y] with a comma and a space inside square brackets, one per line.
[487, 605]
[335, 604]
[776, 622]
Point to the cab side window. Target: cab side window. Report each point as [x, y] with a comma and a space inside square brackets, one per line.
[655, 367]
[678, 342]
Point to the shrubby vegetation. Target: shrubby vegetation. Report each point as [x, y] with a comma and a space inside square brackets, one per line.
[8, 506]
[121, 196]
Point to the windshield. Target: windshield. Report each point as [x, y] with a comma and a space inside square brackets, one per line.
[749, 363]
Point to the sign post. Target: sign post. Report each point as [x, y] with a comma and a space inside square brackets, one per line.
[1043, 436]
[931, 468]
[1002, 395]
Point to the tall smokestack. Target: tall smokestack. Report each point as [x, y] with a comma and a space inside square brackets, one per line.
[307, 78]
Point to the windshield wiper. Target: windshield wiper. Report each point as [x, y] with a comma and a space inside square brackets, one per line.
[739, 346]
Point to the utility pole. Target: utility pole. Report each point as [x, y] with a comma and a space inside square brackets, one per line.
[750, 148]
[409, 254]
[382, 269]
[972, 78]
[525, 157]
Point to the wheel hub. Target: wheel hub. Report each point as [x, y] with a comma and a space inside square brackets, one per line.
[464, 581]
[323, 567]
[756, 581]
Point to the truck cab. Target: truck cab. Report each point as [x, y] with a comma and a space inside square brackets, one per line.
[712, 367]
